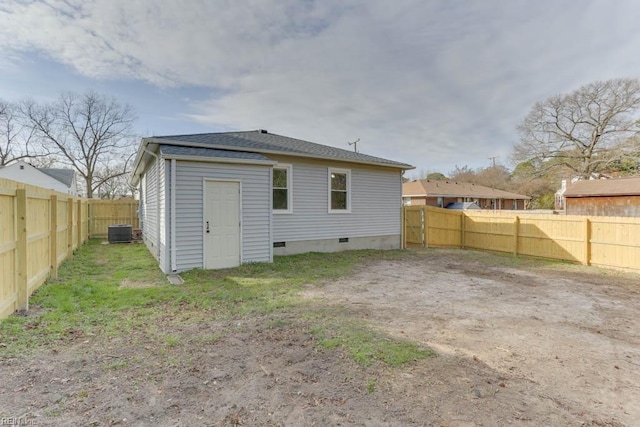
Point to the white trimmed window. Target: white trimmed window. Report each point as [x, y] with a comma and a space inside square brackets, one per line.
[281, 188]
[339, 190]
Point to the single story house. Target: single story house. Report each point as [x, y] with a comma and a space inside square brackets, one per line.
[442, 193]
[604, 197]
[61, 180]
[218, 200]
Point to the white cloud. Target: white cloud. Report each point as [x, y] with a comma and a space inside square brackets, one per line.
[434, 83]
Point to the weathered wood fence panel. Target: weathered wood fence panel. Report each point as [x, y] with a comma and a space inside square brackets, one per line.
[39, 229]
[611, 242]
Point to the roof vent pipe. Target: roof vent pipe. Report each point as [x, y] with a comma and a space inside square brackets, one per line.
[263, 131]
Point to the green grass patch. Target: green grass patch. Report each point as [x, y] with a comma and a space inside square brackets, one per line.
[209, 338]
[364, 344]
[117, 289]
[118, 364]
[171, 341]
[371, 385]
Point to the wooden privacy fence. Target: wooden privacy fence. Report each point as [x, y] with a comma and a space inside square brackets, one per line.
[103, 213]
[611, 242]
[39, 229]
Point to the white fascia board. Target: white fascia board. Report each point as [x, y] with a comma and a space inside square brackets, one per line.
[133, 177]
[138, 164]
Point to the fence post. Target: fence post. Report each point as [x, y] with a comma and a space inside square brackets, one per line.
[463, 220]
[21, 250]
[79, 223]
[402, 227]
[53, 235]
[516, 227]
[425, 227]
[89, 226]
[85, 206]
[587, 242]
[70, 227]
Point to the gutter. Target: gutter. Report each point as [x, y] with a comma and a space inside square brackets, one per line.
[172, 250]
[157, 199]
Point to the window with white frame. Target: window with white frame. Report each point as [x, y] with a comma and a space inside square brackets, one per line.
[339, 190]
[281, 185]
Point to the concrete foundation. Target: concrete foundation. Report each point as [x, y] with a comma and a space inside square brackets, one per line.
[334, 245]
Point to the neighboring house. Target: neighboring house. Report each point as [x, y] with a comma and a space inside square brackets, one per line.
[442, 193]
[558, 203]
[604, 197]
[559, 195]
[218, 200]
[62, 180]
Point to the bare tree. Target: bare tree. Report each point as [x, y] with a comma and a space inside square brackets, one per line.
[496, 176]
[48, 161]
[116, 187]
[16, 139]
[89, 132]
[541, 188]
[586, 131]
[436, 176]
[463, 174]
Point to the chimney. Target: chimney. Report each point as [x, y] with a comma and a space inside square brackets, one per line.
[263, 131]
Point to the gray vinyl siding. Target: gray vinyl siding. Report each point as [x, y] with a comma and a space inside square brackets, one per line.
[376, 198]
[255, 208]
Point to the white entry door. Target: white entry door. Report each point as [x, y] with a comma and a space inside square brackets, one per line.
[221, 224]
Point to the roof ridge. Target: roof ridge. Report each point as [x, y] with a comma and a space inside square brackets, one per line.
[205, 133]
[314, 143]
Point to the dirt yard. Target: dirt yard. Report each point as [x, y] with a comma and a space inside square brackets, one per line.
[517, 343]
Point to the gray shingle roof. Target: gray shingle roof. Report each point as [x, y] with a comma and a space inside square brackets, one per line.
[65, 176]
[262, 142]
[604, 187]
[430, 188]
[177, 150]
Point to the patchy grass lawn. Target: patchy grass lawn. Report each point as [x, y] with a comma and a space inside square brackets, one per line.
[325, 339]
[111, 290]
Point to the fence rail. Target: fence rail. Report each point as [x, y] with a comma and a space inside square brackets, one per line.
[611, 242]
[39, 229]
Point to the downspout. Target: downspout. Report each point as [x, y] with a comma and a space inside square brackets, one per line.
[174, 263]
[157, 199]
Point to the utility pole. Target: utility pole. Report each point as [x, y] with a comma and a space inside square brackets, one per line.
[493, 160]
[355, 144]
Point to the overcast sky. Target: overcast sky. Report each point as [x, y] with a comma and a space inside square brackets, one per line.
[431, 83]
